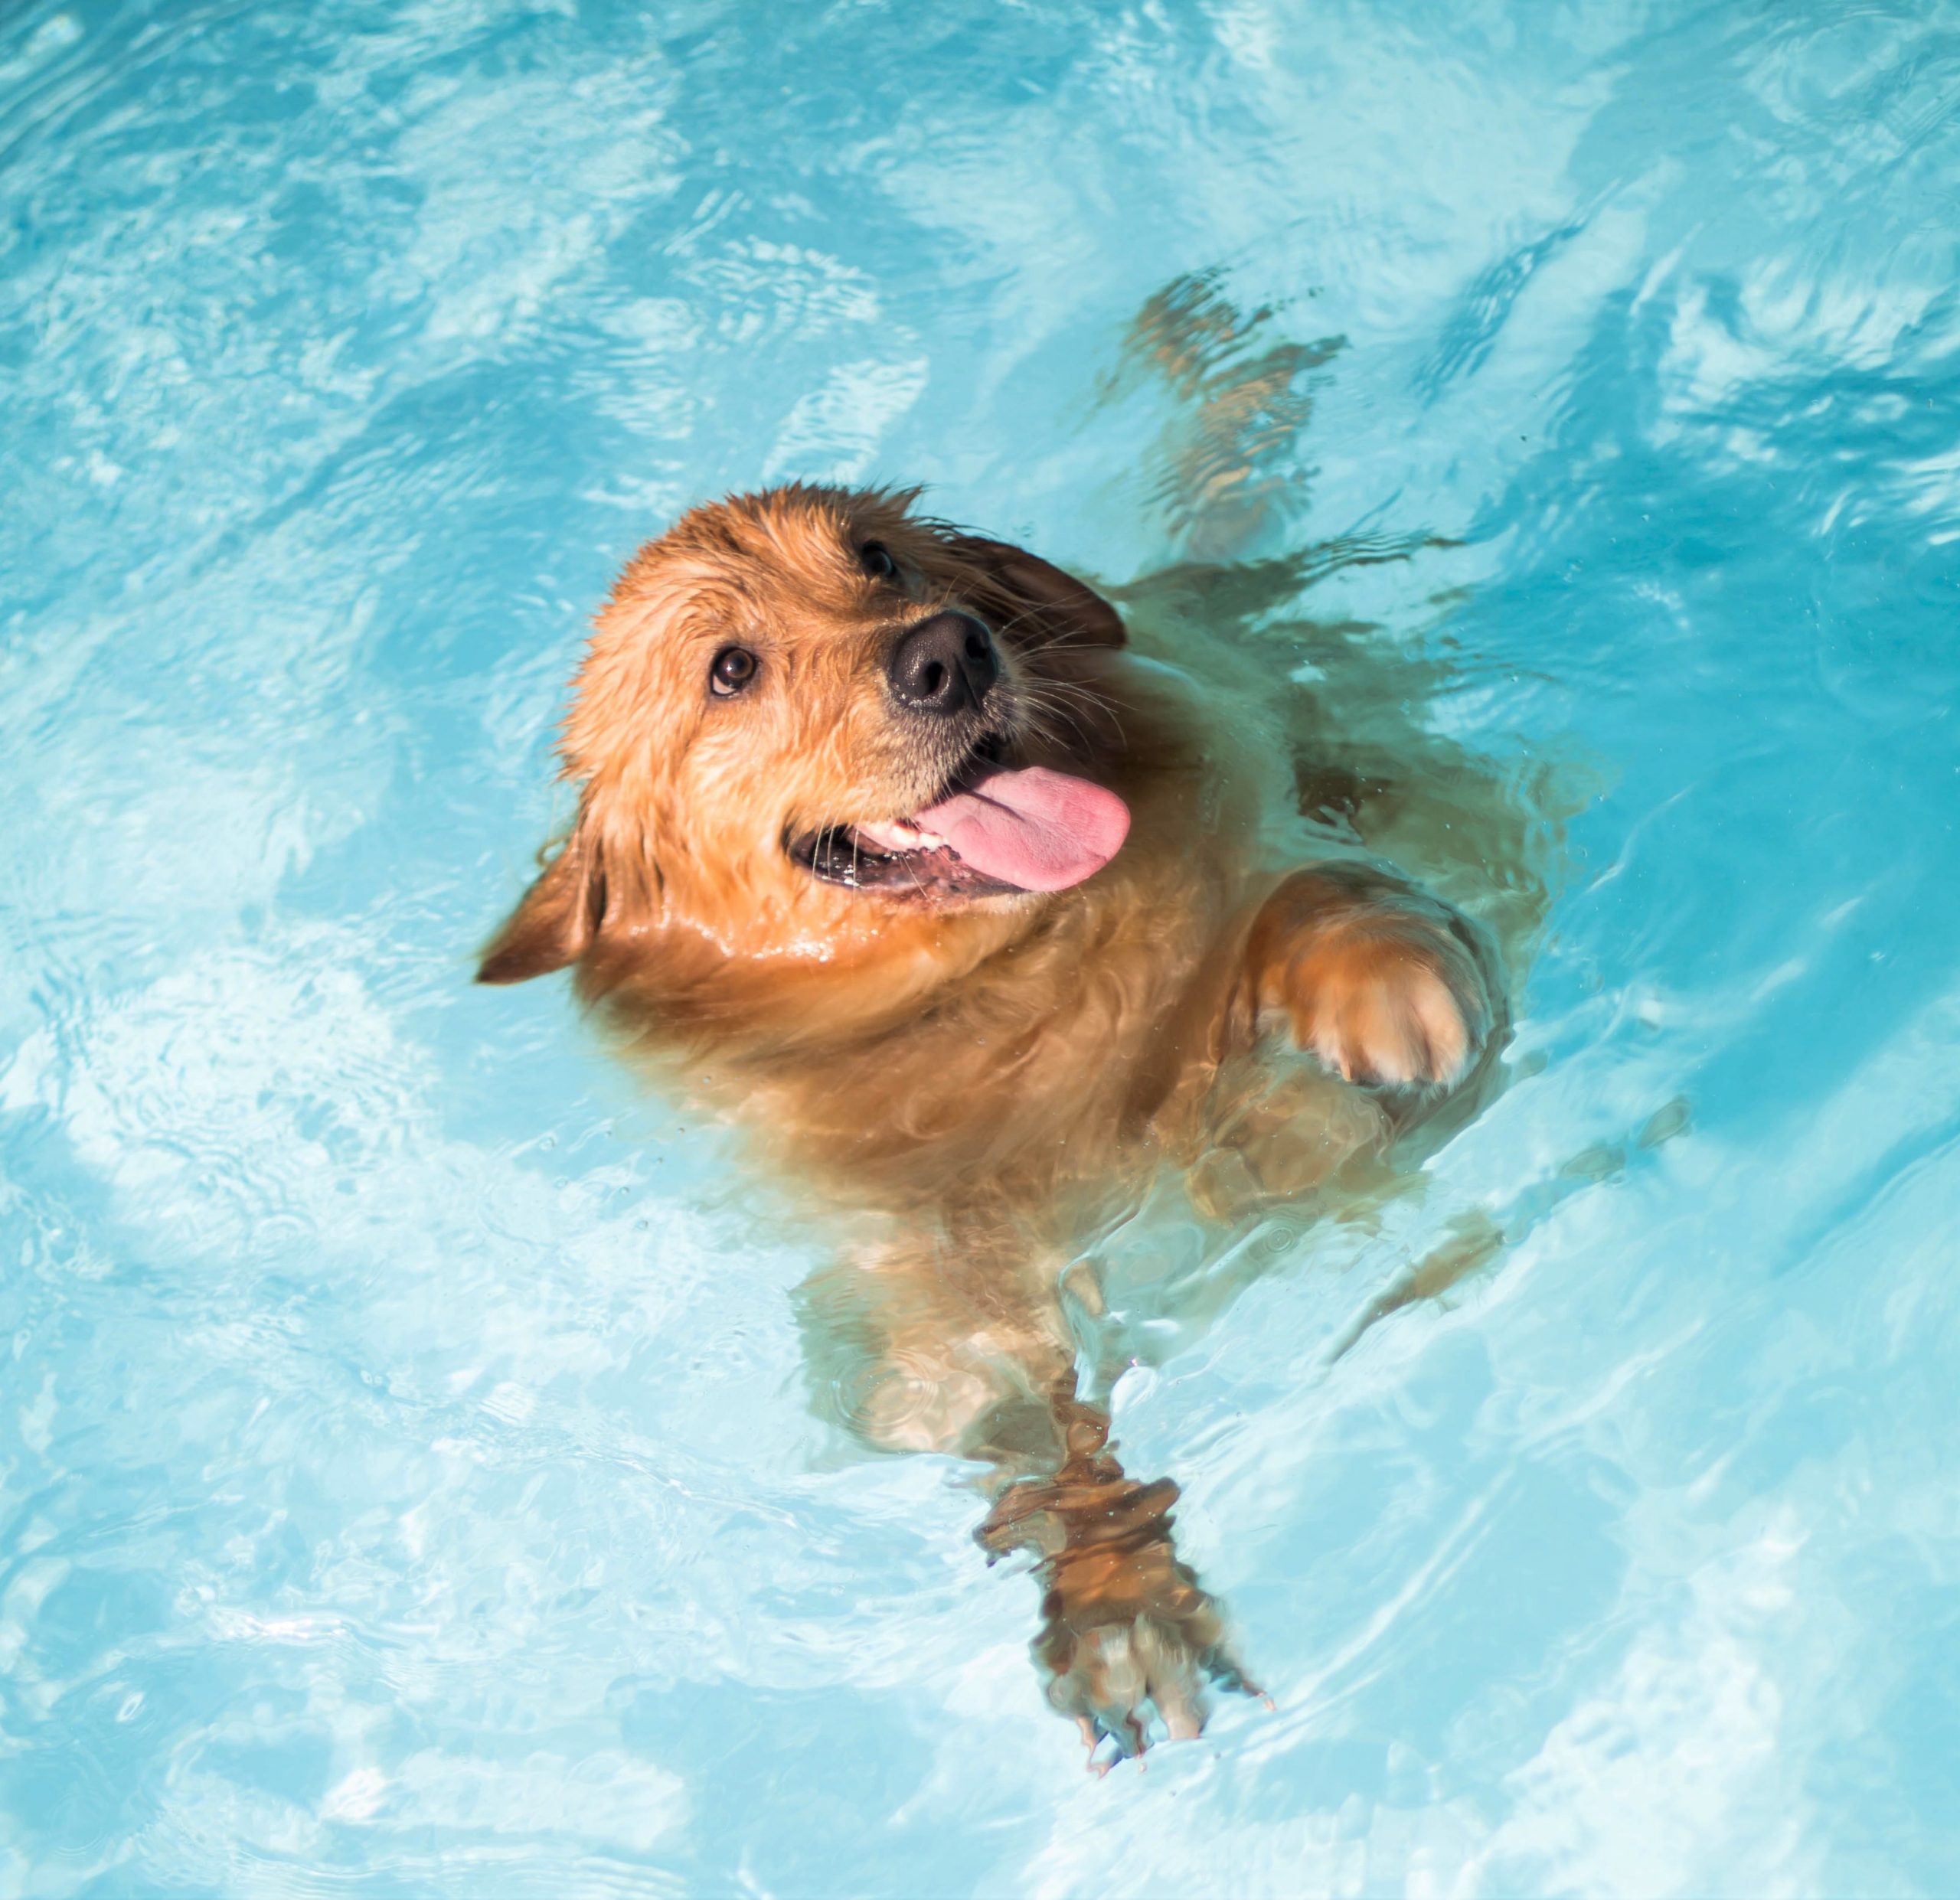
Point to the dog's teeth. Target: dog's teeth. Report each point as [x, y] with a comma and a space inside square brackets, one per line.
[898, 836]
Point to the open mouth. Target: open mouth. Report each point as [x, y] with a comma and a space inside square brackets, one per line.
[994, 830]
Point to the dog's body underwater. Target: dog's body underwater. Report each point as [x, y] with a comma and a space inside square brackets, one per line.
[979, 922]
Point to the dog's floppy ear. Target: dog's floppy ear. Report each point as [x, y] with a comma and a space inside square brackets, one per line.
[1029, 598]
[557, 922]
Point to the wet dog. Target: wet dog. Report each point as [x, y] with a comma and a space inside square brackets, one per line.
[890, 846]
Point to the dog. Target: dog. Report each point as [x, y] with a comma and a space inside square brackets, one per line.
[892, 848]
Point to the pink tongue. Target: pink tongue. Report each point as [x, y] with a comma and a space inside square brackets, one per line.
[1036, 830]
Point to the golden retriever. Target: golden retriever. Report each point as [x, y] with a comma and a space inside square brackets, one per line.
[889, 846]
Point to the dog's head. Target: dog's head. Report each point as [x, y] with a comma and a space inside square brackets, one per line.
[804, 709]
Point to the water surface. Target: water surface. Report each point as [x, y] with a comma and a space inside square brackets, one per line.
[407, 1480]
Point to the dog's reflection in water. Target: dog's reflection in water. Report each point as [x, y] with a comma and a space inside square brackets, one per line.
[981, 919]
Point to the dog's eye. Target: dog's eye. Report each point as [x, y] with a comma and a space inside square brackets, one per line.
[733, 668]
[878, 563]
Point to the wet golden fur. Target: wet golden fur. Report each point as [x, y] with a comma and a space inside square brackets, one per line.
[977, 1083]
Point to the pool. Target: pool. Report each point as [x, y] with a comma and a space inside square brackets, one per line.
[411, 1484]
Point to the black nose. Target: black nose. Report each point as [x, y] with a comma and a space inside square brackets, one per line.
[944, 664]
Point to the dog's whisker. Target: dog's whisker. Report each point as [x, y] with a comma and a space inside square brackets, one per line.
[1061, 701]
[1049, 720]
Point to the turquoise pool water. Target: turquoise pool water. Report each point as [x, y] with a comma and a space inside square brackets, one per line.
[407, 1483]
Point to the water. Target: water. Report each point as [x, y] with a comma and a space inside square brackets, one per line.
[410, 1484]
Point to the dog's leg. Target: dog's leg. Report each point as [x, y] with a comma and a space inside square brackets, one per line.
[1382, 984]
[957, 1344]
[1126, 1627]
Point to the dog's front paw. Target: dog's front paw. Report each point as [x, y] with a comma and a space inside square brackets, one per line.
[1128, 1632]
[1111, 1669]
[1377, 985]
[1387, 1009]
